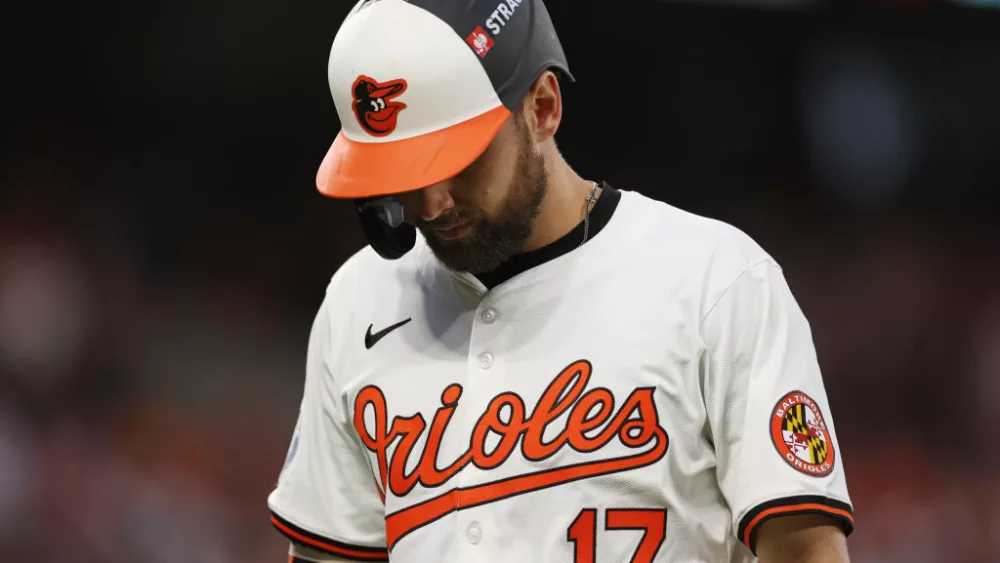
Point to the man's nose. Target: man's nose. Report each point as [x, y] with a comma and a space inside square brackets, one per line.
[429, 203]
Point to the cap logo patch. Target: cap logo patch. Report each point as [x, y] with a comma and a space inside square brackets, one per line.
[799, 433]
[373, 105]
[480, 41]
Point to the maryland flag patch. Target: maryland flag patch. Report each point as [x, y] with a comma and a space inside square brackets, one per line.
[799, 433]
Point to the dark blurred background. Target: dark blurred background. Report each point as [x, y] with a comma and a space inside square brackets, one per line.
[163, 248]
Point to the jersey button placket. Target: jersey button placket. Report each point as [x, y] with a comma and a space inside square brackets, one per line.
[485, 360]
[484, 357]
[473, 534]
[488, 315]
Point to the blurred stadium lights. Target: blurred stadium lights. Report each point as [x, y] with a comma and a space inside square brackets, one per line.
[859, 129]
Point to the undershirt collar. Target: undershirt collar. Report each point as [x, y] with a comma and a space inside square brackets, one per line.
[600, 215]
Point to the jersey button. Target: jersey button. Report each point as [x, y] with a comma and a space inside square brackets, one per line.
[485, 360]
[474, 533]
[489, 316]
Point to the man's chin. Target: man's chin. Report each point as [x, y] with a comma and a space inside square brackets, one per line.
[458, 259]
[459, 256]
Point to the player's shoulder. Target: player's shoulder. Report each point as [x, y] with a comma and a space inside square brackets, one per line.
[354, 270]
[689, 238]
[365, 277]
[364, 289]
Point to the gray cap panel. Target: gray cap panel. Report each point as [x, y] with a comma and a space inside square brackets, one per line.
[524, 40]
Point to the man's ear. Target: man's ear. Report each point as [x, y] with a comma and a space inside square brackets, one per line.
[542, 107]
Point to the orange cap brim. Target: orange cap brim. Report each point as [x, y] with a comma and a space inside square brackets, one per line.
[353, 169]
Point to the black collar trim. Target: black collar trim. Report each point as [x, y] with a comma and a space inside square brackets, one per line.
[600, 215]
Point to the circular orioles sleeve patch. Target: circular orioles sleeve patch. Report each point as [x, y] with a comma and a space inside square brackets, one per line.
[799, 433]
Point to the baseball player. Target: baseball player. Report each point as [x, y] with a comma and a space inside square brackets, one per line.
[524, 365]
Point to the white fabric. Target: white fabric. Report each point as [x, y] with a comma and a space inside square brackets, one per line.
[326, 486]
[759, 349]
[684, 322]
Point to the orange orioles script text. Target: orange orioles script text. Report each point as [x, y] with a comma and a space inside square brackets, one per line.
[587, 412]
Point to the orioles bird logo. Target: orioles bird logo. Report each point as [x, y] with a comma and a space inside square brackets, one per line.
[373, 105]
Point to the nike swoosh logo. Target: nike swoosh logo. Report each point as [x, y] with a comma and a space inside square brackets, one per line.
[372, 339]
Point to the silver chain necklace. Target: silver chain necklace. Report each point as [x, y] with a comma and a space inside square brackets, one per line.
[586, 215]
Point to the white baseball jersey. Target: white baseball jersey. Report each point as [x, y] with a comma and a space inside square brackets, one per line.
[650, 396]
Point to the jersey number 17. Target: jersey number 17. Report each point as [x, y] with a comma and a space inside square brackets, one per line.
[652, 523]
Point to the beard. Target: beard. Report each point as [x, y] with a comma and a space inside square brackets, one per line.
[494, 240]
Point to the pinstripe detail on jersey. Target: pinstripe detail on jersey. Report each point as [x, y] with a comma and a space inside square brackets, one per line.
[804, 504]
[327, 545]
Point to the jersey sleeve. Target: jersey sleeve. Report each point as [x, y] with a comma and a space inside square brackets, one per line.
[326, 497]
[770, 422]
[299, 553]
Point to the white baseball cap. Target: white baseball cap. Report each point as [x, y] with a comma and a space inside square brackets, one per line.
[422, 87]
